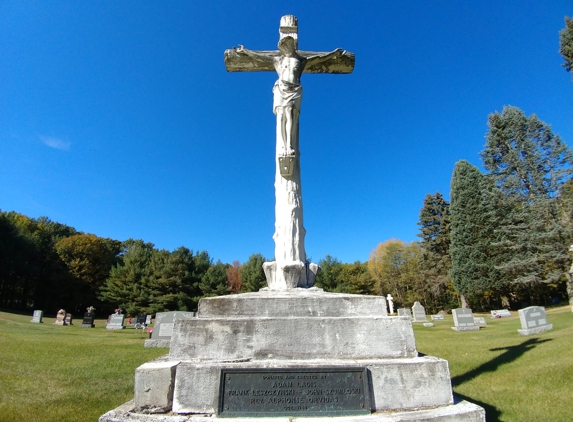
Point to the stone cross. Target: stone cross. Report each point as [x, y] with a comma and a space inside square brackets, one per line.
[290, 269]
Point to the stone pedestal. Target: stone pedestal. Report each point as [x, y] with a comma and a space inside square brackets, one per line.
[299, 329]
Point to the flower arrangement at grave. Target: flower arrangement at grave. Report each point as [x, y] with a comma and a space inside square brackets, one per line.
[118, 311]
[90, 309]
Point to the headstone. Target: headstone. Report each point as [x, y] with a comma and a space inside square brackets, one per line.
[281, 352]
[37, 317]
[148, 320]
[163, 327]
[60, 318]
[437, 317]
[141, 318]
[479, 321]
[463, 320]
[69, 318]
[533, 321]
[419, 312]
[89, 320]
[404, 312]
[428, 324]
[115, 322]
[500, 313]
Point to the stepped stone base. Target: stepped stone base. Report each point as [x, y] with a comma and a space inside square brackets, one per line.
[159, 343]
[299, 329]
[461, 411]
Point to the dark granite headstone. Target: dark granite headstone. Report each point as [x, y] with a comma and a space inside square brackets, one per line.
[88, 321]
[141, 318]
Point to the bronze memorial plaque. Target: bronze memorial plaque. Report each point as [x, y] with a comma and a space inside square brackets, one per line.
[339, 391]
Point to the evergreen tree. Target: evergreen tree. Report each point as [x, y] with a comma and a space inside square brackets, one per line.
[435, 263]
[566, 44]
[530, 165]
[129, 284]
[524, 157]
[215, 282]
[171, 281]
[330, 275]
[472, 222]
[252, 275]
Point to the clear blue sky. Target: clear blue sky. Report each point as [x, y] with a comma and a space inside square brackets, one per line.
[119, 118]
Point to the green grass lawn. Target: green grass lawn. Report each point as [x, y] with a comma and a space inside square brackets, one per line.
[514, 378]
[53, 373]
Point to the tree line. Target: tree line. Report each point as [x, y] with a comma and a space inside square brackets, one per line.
[48, 265]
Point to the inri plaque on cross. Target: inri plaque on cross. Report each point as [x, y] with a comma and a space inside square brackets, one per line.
[290, 269]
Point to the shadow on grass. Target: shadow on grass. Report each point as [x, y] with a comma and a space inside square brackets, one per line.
[492, 414]
[511, 353]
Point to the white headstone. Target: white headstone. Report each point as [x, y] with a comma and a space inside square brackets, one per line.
[37, 317]
[500, 313]
[533, 321]
[479, 321]
[437, 317]
[419, 312]
[464, 320]
[404, 312]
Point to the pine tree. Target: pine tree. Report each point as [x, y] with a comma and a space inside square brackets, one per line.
[329, 276]
[566, 44]
[472, 215]
[129, 283]
[530, 165]
[435, 263]
[252, 274]
[214, 282]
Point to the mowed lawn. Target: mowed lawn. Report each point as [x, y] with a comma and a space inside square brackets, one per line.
[53, 373]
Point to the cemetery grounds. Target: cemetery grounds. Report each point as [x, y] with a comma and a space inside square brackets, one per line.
[67, 373]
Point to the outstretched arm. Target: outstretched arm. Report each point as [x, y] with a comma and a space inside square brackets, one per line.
[243, 60]
[337, 61]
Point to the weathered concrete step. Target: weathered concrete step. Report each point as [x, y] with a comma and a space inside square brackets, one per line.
[311, 302]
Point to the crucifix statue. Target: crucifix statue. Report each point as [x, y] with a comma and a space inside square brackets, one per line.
[290, 268]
